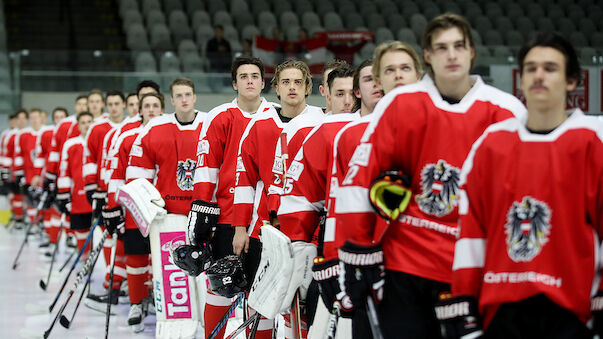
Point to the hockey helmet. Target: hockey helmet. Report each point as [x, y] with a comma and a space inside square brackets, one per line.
[192, 259]
[227, 277]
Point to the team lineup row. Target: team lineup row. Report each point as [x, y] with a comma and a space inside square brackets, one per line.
[429, 203]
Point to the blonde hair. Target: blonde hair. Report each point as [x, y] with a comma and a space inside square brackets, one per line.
[397, 46]
[297, 65]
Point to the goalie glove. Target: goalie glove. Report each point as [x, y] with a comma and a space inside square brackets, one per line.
[202, 219]
[361, 273]
[458, 317]
[390, 194]
[596, 307]
[63, 202]
[114, 220]
[192, 259]
[326, 274]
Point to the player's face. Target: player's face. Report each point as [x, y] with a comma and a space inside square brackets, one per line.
[324, 87]
[368, 91]
[115, 105]
[132, 105]
[12, 123]
[58, 116]
[35, 119]
[341, 96]
[397, 69]
[543, 79]
[249, 82]
[146, 90]
[84, 124]
[95, 104]
[183, 98]
[21, 120]
[151, 107]
[291, 87]
[81, 105]
[450, 55]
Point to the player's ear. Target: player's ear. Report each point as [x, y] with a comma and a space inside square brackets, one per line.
[234, 85]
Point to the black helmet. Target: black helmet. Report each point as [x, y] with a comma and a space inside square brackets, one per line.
[227, 277]
[192, 259]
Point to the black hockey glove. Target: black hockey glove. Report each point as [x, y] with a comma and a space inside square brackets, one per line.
[390, 194]
[63, 202]
[202, 219]
[361, 273]
[90, 189]
[192, 259]
[596, 307]
[326, 274]
[5, 175]
[99, 200]
[114, 220]
[459, 317]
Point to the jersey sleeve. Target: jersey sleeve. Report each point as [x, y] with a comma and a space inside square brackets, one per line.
[246, 178]
[470, 248]
[64, 180]
[384, 146]
[141, 163]
[92, 157]
[304, 194]
[118, 165]
[210, 155]
[18, 161]
[595, 185]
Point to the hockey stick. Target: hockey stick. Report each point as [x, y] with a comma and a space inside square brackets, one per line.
[43, 284]
[333, 319]
[67, 260]
[254, 327]
[88, 265]
[77, 259]
[372, 317]
[225, 317]
[251, 320]
[113, 250]
[27, 229]
[296, 317]
[67, 322]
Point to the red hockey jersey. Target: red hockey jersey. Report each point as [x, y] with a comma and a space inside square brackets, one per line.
[306, 181]
[165, 153]
[61, 134]
[25, 146]
[71, 177]
[532, 215]
[109, 151]
[415, 130]
[217, 155]
[43, 149]
[94, 149]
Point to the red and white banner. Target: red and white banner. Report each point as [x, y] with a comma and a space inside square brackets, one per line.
[578, 98]
[273, 52]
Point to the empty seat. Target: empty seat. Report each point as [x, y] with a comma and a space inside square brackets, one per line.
[587, 27]
[187, 47]
[514, 38]
[566, 27]
[302, 7]
[407, 9]
[588, 55]
[136, 38]
[200, 18]
[353, 20]
[161, 39]
[504, 24]
[172, 5]
[477, 38]
[145, 62]
[388, 8]
[315, 29]
[169, 63]
[383, 34]
[396, 21]
[333, 22]
[239, 6]
[545, 25]
[202, 34]
[281, 7]
[215, 6]
[578, 39]
[375, 21]
[126, 5]
[596, 39]
[493, 37]
[231, 34]
[482, 52]
[222, 18]
[249, 32]
[367, 51]
[259, 6]
[242, 19]
[149, 5]
[502, 52]
[407, 35]
[525, 26]
[194, 5]
[309, 20]
[192, 63]
[555, 12]
[154, 17]
[266, 19]
[292, 33]
[418, 24]
[324, 7]
[482, 24]
[177, 17]
[289, 19]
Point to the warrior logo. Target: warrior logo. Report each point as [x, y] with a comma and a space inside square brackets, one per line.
[185, 174]
[440, 183]
[527, 227]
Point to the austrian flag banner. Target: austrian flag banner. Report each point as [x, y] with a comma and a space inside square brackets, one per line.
[273, 52]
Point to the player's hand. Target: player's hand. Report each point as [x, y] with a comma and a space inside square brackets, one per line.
[362, 271]
[326, 274]
[62, 201]
[459, 317]
[202, 219]
[240, 241]
[114, 220]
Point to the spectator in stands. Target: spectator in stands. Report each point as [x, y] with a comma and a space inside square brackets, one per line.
[218, 51]
[302, 35]
[247, 48]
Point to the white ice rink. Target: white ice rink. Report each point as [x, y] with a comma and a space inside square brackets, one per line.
[22, 299]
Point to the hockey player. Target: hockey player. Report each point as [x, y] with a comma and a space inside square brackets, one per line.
[14, 161]
[81, 103]
[58, 114]
[4, 161]
[256, 160]
[435, 121]
[164, 154]
[324, 86]
[70, 197]
[215, 173]
[527, 233]
[132, 104]
[136, 247]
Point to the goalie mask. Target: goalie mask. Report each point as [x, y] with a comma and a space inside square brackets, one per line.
[192, 259]
[227, 277]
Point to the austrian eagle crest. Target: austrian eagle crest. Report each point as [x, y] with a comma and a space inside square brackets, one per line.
[440, 184]
[185, 174]
[527, 228]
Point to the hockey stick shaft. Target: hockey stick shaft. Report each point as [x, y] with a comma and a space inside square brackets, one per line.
[43, 284]
[333, 319]
[86, 268]
[373, 319]
[67, 260]
[77, 259]
[254, 327]
[38, 209]
[296, 317]
[244, 325]
[225, 317]
[113, 251]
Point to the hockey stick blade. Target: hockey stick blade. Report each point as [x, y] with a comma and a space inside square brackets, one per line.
[43, 285]
[64, 321]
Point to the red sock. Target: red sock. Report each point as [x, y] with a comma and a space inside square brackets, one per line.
[54, 224]
[137, 269]
[16, 204]
[215, 308]
[119, 271]
[289, 330]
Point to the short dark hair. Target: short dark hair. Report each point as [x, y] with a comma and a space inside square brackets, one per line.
[365, 63]
[446, 21]
[116, 93]
[183, 82]
[147, 83]
[81, 96]
[556, 41]
[219, 26]
[131, 94]
[81, 114]
[331, 65]
[151, 94]
[345, 71]
[245, 60]
[59, 109]
[23, 111]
